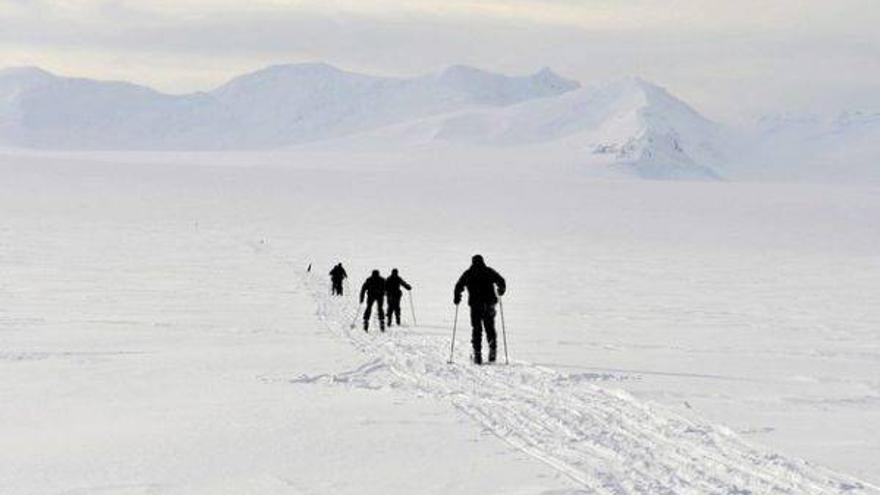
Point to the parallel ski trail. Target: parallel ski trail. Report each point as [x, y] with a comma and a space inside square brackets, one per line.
[603, 439]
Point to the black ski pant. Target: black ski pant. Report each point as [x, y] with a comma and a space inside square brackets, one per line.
[483, 318]
[337, 287]
[368, 311]
[394, 308]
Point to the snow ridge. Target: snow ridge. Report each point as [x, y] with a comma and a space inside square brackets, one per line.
[604, 439]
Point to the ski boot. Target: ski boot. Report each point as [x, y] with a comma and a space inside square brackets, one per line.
[491, 355]
[478, 358]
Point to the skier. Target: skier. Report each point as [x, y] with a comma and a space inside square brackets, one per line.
[337, 275]
[393, 294]
[374, 289]
[480, 282]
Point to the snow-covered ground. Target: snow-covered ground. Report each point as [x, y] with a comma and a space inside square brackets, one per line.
[159, 333]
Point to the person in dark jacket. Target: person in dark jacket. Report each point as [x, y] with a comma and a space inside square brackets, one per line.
[337, 275]
[374, 290]
[393, 294]
[480, 282]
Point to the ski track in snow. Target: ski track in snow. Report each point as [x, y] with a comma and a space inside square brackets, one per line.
[606, 440]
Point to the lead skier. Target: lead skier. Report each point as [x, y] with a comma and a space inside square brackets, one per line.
[481, 282]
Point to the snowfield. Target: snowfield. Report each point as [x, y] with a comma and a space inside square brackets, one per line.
[159, 333]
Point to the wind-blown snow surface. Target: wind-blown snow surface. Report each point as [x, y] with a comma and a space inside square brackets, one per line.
[159, 334]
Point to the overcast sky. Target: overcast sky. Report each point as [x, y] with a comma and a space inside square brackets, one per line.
[732, 59]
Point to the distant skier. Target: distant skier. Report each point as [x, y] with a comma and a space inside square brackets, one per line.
[480, 282]
[374, 290]
[393, 293]
[337, 275]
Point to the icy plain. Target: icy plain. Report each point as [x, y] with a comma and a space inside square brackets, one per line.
[159, 332]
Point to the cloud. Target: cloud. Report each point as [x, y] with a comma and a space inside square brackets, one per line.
[785, 52]
[841, 15]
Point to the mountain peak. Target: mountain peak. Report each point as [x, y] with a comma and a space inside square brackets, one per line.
[16, 80]
[25, 73]
[640, 85]
[283, 73]
[459, 71]
[548, 74]
[653, 99]
[24, 70]
[303, 67]
[489, 88]
[545, 74]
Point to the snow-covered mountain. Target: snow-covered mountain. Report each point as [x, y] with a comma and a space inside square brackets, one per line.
[629, 124]
[304, 102]
[41, 110]
[276, 106]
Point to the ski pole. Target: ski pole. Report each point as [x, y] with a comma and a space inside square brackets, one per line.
[454, 325]
[412, 308]
[503, 332]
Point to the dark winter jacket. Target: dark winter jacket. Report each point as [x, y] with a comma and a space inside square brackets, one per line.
[480, 282]
[338, 273]
[393, 284]
[373, 288]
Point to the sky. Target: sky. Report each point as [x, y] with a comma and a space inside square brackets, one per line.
[734, 60]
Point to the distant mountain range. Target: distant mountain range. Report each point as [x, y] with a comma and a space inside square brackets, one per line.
[630, 125]
[276, 106]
